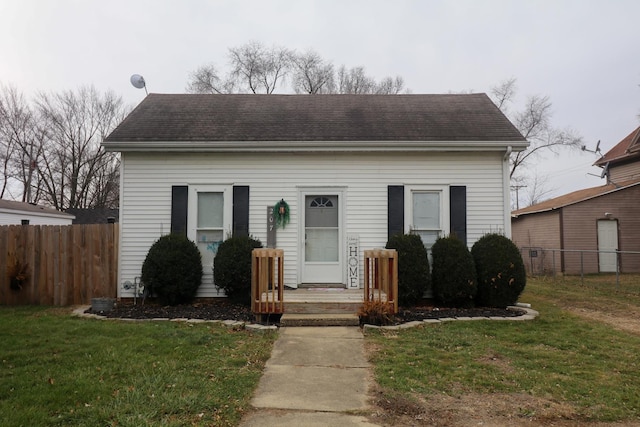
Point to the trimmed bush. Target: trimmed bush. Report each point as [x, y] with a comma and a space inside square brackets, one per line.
[453, 273]
[500, 271]
[232, 268]
[172, 269]
[413, 268]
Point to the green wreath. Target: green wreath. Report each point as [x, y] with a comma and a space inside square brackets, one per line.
[281, 214]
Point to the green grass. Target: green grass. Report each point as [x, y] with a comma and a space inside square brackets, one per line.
[57, 370]
[559, 356]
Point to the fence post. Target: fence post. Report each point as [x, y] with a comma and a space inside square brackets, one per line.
[617, 269]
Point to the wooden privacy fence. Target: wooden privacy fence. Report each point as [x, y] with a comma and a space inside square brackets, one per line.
[60, 264]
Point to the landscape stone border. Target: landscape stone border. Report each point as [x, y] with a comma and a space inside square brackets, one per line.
[530, 314]
[231, 324]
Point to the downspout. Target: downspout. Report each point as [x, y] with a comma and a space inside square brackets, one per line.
[508, 153]
[507, 191]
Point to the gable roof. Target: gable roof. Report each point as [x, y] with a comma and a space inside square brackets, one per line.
[191, 121]
[11, 206]
[574, 197]
[626, 150]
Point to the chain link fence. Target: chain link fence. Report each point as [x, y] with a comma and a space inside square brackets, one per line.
[620, 269]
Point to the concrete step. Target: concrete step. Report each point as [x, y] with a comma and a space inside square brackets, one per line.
[317, 307]
[321, 319]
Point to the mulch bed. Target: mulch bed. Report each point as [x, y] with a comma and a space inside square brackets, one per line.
[224, 310]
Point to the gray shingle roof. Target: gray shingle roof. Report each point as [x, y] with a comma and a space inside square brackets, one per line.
[11, 205]
[182, 117]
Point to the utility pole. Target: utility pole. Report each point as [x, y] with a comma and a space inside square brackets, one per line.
[517, 188]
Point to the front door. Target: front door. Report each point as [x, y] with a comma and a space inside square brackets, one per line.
[322, 234]
[607, 241]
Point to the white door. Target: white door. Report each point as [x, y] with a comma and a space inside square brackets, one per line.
[607, 241]
[322, 239]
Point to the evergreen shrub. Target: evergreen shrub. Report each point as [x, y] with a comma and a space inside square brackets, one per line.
[172, 269]
[500, 271]
[413, 268]
[232, 268]
[453, 273]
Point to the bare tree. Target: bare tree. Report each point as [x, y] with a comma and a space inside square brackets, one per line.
[206, 80]
[258, 69]
[255, 68]
[75, 172]
[311, 74]
[355, 81]
[390, 85]
[534, 123]
[21, 142]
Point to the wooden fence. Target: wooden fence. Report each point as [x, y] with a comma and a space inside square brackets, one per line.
[60, 264]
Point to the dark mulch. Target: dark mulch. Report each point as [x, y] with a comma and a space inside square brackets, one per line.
[217, 310]
[224, 310]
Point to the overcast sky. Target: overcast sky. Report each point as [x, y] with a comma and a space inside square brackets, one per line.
[585, 55]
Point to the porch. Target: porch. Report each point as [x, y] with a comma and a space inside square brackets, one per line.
[318, 304]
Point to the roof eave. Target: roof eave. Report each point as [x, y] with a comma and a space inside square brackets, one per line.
[312, 146]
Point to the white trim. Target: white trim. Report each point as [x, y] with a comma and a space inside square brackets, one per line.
[506, 191]
[445, 215]
[340, 191]
[313, 146]
[192, 213]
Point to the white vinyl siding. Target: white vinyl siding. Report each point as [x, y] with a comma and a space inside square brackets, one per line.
[148, 177]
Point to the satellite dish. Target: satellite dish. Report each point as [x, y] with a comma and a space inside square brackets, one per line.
[605, 171]
[138, 82]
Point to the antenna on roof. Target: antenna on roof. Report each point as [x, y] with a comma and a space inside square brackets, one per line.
[605, 171]
[596, 151]
[138, 82]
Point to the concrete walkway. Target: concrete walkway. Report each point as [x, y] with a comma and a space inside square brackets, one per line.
[316, 376]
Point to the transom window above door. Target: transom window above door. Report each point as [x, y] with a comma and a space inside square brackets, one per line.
[321, 202]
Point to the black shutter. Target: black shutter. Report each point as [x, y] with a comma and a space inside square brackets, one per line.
[395, 210]
[179, 199]
[240, 210]
[458, 211]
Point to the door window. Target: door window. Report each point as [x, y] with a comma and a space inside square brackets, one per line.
[321, 229]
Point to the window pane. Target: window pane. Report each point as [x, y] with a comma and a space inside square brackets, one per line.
[210, 210]
[426, 210]
[322, 211]
[208, 242]
[321, 245]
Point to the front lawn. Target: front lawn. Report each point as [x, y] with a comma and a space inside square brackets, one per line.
[561, 366]
[58, 370]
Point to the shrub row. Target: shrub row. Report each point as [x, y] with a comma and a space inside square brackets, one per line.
[491, 274]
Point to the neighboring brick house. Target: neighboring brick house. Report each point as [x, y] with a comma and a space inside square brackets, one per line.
[605, 218]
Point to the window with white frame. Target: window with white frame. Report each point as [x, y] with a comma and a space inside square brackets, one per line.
[428, 214]
[209, 217]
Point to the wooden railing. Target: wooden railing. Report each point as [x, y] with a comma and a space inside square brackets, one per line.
[58, 264]
[381, 276]
[267, 281]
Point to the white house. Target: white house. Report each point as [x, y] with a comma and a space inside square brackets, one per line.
[353, 170]
[17, 213]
